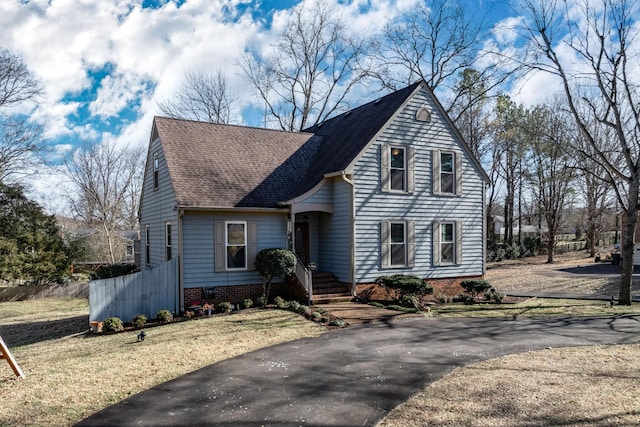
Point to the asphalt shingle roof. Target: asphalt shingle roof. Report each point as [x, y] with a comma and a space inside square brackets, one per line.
[215, 165]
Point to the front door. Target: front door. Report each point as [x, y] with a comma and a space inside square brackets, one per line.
[302, 241]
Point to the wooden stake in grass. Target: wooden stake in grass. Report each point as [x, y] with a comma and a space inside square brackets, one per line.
[6, 354]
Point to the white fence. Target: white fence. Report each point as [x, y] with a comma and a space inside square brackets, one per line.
[127, 296]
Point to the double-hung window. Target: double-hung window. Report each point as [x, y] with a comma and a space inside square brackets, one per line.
[447, 172]
[398, 247]
[447, 243]
[167, 236]
[156, 167]
[397, 168]
[147, 246]
[236, 243]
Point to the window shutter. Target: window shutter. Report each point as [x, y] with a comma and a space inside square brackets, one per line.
[436, 243]
[458, 242]
[385, 179]
[252, 243]
[411, 243]
[410, 169]
[436, 171]
[219, 254]
[458, 158]
[385, 249]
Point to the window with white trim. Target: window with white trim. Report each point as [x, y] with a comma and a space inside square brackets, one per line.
[156, 167]
[447, 172]
[447, 243]
[167, 238]
[236, 245]
[397, 168]
[398, 246]
[147, 246]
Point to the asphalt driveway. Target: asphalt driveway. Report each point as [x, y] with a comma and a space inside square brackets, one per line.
[349, 377]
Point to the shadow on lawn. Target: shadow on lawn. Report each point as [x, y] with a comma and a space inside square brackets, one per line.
[30, 333]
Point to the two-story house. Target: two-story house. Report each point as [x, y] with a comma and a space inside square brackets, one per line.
[389, 187]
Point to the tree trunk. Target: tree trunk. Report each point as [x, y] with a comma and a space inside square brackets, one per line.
[628, 234]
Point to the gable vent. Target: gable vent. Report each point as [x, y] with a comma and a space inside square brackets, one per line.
[423, 115]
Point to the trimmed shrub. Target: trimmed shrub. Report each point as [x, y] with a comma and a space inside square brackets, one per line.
[294, 306]
[475, 287]
[164, 316]
[316, 316]
[410, 301]
[274, 262]
[262, 301]
[139, 321]
[247, 303]
[337, 322]
[399, 286]
[224, 307]
[304, 310]
[494, 295]
[112, 324]
[280, 302]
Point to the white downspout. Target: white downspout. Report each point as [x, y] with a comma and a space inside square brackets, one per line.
[353, 232]
[180, 266]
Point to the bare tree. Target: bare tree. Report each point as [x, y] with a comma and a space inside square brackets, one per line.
[600, 86]
[310, 70]
[17, 83]
[551, 169]
[202, 97]
[437, 41]
[21, 147]
[106, 179]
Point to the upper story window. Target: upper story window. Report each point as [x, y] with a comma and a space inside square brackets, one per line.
[236, 242]
[447, 172]
[167, 235]
[147, 246]
[397, 166]
[398, 169]
[156, 164]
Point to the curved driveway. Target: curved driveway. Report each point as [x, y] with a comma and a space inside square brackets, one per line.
[349, 377]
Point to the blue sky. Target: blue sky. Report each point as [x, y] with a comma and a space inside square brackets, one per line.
[106, 64]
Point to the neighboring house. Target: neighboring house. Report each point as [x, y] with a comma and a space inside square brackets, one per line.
[387, 188]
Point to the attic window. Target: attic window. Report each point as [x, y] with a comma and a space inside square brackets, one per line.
[155, 170]
[423, 115]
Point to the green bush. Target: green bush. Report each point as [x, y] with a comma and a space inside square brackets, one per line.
[304, 310]
[224, 307]
[274, 262]
[139, 321]
[164, 316]
[316, 317]
[262, 301]
[475, 287]
[247, 303]
[402, 308]
[410, 301]
[113, 270]
[337, 322]
[112, 324]
[294, 306]
[280, 302]
[399, 286]
[494, 295]
[324, 319]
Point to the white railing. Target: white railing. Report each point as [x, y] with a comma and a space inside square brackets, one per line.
[305, 276]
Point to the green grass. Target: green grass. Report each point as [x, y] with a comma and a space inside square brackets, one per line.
[12, 309]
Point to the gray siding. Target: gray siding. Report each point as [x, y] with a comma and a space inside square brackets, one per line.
[156, 208]
[421, 206]
[335, 237]
[198, 246]
[323, 196]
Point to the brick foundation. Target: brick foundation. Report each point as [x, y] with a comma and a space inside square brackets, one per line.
[441, 287]
[237, 293]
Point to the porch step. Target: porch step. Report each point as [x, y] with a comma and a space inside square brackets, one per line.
[327, 289]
